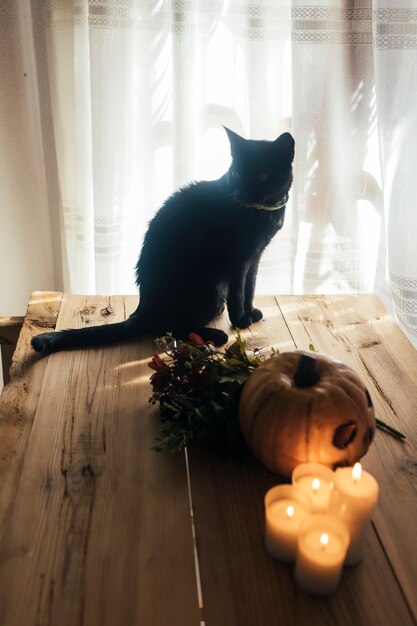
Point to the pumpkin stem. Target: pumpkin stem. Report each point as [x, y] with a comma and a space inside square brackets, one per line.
[305, 374]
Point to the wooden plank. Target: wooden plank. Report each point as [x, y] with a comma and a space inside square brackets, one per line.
[100, 528]
[241, 584]
[77, 572]
[10, 328]
[359, 331]
[271, 331]
[19, 398]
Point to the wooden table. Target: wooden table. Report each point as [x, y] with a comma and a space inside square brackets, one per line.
[96, 527]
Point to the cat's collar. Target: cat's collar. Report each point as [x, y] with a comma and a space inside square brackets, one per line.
[262, 207]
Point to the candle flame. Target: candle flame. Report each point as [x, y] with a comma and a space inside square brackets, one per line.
[356, 472]
[290, 511]
[316, 485]
[324, 540]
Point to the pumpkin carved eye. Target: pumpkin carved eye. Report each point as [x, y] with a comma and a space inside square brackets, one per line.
[344, 435]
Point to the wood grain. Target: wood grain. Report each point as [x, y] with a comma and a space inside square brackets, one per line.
[241, 583]
[359, 331]
[19, 398]
[95, 526]
[100, 525]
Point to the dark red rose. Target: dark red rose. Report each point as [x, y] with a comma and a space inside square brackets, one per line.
[160, 379]
[157, 363]
[196, 339]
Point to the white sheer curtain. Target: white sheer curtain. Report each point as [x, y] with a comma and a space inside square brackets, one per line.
[355, 122]
[139, 90]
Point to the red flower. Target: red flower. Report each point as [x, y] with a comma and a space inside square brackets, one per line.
[196, 339]
[157, 363]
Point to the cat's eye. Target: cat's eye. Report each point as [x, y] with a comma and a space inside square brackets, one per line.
[235, 174]
[263, 177]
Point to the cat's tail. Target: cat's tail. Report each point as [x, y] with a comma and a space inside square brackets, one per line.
[47, 343]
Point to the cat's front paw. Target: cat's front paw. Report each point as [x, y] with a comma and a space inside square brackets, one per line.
[256, 315]
[215, 335]
[243, 321]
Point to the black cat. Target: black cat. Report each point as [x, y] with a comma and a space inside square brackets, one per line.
[202, 251]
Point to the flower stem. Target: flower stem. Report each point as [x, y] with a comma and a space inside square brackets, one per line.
[393, 431]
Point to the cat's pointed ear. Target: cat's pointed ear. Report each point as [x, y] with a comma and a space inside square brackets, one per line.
[285, 144]
[236, 141]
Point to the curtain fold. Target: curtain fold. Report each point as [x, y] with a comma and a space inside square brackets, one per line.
[140, 91]
[395, 37]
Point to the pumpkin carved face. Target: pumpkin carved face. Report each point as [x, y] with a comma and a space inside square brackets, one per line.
[299, 407]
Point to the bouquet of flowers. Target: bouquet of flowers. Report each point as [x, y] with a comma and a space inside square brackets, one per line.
[198, 389]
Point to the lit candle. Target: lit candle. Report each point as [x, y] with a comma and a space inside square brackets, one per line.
[285, 509]
[317, 482]
[353, 499]
[321, 550]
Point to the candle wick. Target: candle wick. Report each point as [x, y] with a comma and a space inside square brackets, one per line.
[324, 540]
[290, 511]
[315, 485]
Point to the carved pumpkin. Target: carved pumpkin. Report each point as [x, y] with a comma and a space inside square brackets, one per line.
[299, 407]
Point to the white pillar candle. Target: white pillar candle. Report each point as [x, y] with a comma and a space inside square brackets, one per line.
[285, 509]
[352, 501]
[317, 482]
[321, 550]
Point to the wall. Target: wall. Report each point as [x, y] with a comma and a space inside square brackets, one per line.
[28, 192]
